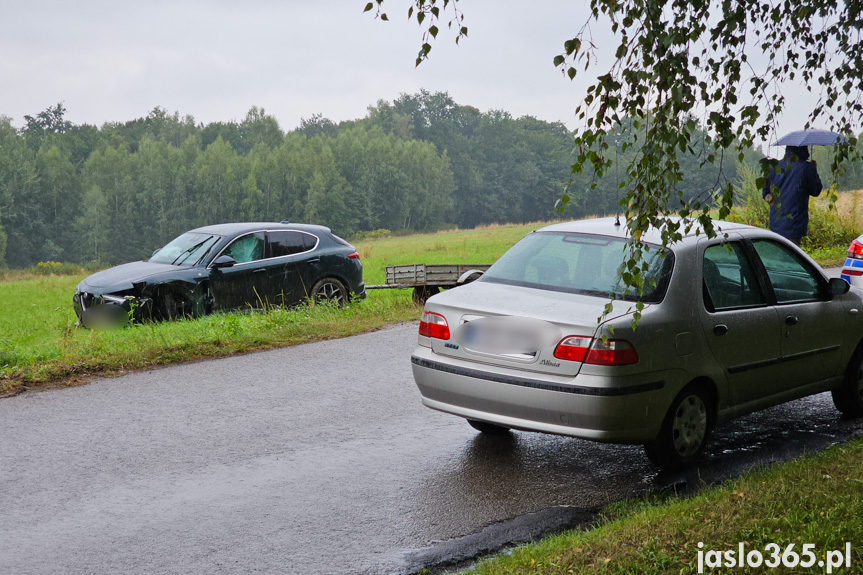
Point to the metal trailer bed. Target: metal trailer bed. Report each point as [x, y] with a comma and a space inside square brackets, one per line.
[427, 280]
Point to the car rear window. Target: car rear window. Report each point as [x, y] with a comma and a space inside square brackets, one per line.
[340, 240]
[579, 263]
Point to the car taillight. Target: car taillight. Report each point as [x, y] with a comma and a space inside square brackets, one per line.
[573, 348]
[354, 256]
[853, 272]
[434, 325]
[855, 250]
[611, 352]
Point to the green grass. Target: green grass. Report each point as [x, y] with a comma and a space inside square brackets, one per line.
[54, 350]
[478, 246]
[815, 500]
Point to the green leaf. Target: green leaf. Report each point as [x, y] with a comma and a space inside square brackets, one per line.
[368, 7]
[558, 60]
[384, 17]
[433, 31]
[571, 47]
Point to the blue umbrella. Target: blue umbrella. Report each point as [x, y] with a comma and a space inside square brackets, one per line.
[811, 138]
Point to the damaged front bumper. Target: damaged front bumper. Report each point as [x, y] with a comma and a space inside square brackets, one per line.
[104, 311]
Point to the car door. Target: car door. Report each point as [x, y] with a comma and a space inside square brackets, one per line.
[741, 327]
[245, 282]
[812, 325]
[288, 275]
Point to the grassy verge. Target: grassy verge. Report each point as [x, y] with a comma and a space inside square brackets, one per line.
[816, 500]
[78, 352]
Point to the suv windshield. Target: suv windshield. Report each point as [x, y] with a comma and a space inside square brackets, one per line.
[188, 249]
[578, 263]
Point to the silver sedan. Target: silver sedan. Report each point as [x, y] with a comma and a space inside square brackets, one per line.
[730, 325]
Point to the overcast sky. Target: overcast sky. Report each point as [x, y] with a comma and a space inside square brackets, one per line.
[113, 61]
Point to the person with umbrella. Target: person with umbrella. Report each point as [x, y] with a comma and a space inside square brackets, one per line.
[789, 187]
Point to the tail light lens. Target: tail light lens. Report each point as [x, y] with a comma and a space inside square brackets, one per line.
[609, 352]
[573, 348]
[434, 325]
[855, 250]
[354, 256]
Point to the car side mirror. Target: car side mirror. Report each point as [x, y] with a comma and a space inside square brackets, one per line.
[838, 286]
[155, 252]
[223, 262]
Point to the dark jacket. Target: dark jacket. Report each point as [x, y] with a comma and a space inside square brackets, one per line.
[793, 181]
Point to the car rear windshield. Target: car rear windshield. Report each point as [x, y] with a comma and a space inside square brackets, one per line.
[579, 263]
[188, 249]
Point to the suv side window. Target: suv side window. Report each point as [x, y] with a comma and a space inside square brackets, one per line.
[728, 279]
[247, 248]
[791, 276]
[286, 243]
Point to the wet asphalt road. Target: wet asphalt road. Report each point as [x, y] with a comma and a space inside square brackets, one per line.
[314, 459]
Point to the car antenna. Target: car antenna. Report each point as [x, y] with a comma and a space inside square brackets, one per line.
[284, 222]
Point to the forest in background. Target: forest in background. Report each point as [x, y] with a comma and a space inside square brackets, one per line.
[78, 193]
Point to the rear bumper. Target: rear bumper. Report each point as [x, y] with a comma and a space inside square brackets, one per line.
[618, 410]
[360, 292]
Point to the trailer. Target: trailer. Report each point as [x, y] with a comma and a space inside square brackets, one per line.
[427, 280]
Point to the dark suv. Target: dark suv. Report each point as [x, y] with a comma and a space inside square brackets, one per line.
[223, 267]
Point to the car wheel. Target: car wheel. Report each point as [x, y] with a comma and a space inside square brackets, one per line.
[849, 398]
[488, 428]
[422, 293]
[331, 290]
[684, 431]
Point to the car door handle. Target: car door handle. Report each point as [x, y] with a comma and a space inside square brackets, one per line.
[259, 270]
[791, 320]
[313, 261]
[720, 329]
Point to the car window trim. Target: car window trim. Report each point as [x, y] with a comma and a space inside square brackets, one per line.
[267, 236]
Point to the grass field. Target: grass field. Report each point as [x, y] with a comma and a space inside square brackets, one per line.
[40, 344]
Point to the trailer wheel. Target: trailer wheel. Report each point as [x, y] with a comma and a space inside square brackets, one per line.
[422, 293]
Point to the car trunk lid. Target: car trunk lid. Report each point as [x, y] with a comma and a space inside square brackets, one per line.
[542, 317]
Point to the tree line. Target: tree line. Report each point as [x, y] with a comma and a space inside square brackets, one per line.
[79, 193]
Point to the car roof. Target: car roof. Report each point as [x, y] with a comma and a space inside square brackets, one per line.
[242, 227]
[608, 227]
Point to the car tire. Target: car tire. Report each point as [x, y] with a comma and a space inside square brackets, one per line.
[849, 398]
[685, 430]
[422, 293]
[488, 428]
[330, 290]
